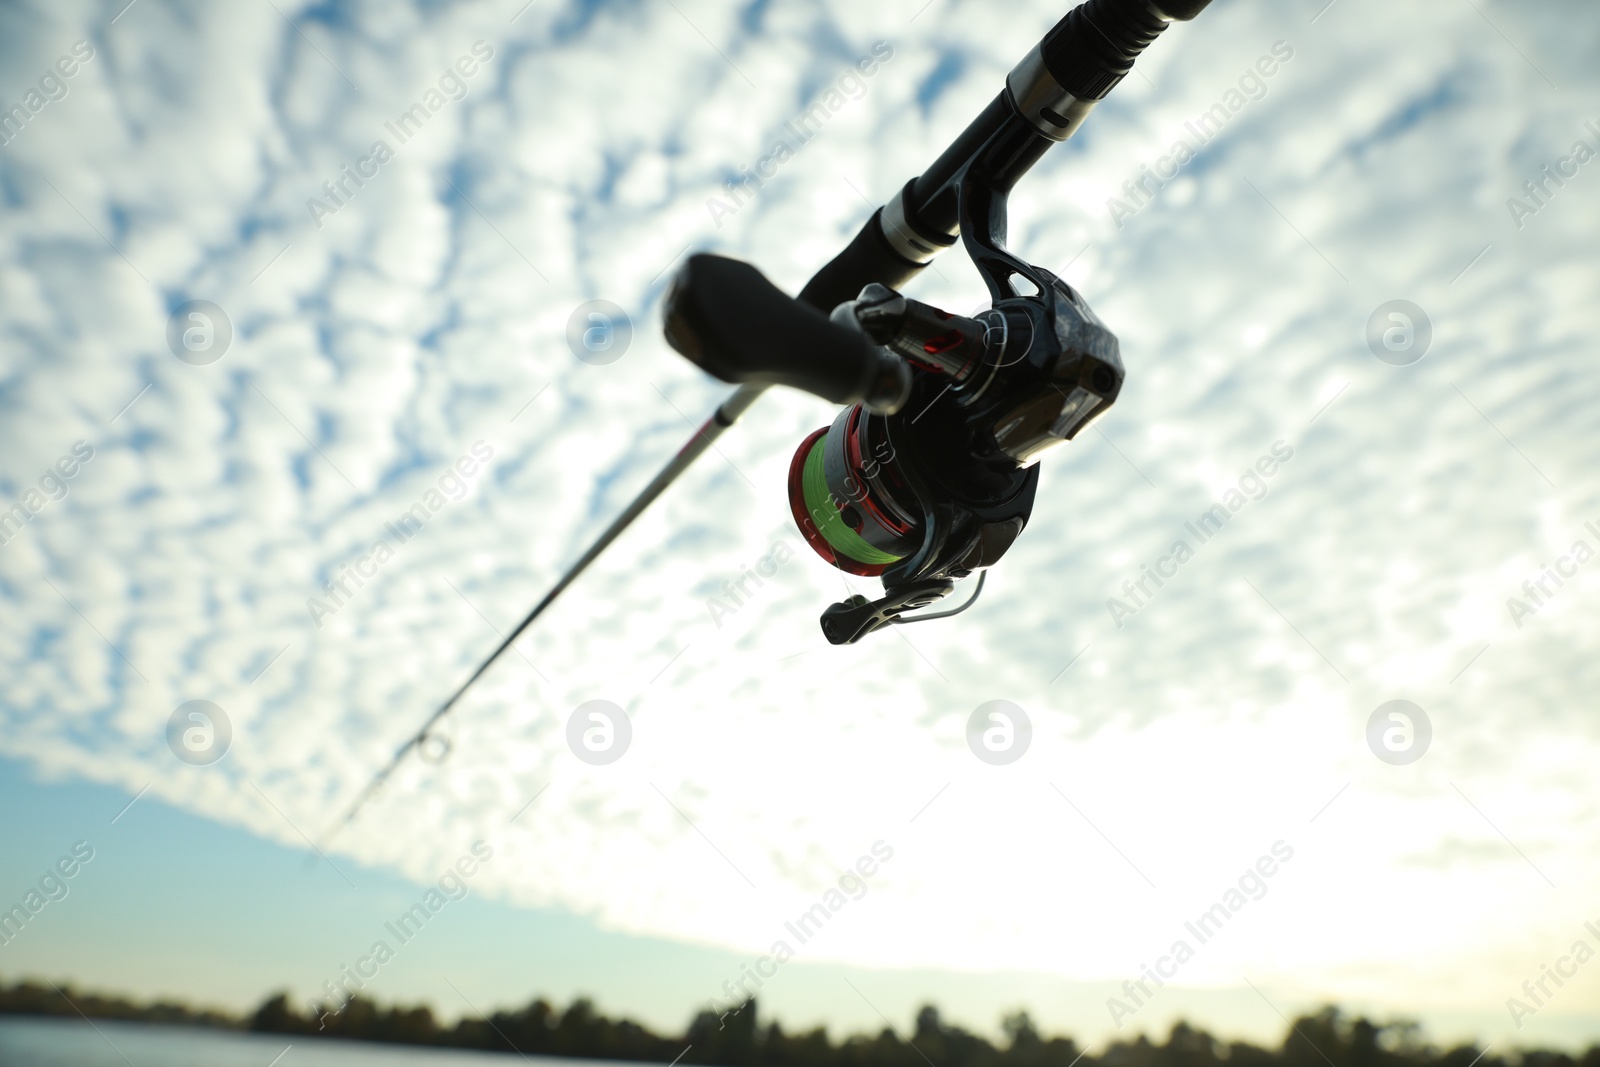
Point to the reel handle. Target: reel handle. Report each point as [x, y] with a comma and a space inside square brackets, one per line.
[729, 320]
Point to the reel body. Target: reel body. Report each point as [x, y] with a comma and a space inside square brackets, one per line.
[927, 494]
[929, 474]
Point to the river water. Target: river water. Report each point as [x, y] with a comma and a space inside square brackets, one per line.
[26, 1042]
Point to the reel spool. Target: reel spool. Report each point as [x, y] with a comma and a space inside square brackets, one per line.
[849, 499]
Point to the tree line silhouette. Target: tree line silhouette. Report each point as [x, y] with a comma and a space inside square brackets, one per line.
[1327, 1038]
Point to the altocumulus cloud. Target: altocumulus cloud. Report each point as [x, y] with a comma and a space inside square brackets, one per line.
[371, 353]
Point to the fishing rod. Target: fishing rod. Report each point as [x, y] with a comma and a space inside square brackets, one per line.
[929, 472]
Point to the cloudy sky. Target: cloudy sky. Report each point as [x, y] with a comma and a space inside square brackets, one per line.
[384, 334]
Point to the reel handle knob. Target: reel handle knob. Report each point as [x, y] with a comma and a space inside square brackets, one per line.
[729, 320]
[849, 621]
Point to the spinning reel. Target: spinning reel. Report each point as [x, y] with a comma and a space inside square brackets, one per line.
[930, 473]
